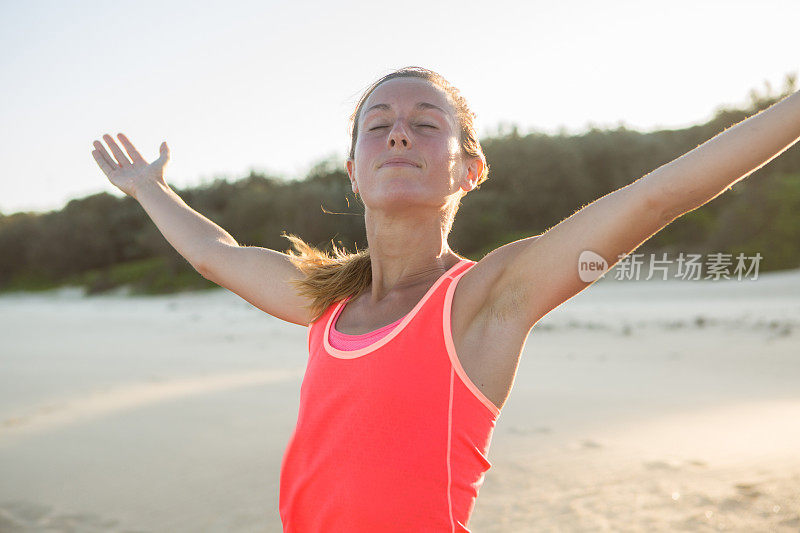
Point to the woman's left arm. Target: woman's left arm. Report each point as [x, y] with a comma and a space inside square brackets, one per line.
[704, 173]
[539, 273]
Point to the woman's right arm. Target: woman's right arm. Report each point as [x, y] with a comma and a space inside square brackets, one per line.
[259, 275]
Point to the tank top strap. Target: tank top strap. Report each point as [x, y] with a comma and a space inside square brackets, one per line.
[434, 306]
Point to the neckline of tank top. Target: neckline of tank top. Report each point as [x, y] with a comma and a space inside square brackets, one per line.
[360, 336]
[352, 354]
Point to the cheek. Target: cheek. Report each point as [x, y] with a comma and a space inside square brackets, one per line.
[368, 144]
[446, 155]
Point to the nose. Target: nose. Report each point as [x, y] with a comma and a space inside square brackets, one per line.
[398, 135]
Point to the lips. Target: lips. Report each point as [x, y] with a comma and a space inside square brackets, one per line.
[399, 162]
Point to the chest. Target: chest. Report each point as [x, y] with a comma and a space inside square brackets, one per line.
[487, 346]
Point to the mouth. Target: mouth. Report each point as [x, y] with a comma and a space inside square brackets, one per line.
[399, 162]
[398, 165]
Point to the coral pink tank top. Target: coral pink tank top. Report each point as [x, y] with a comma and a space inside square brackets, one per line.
[392, 436]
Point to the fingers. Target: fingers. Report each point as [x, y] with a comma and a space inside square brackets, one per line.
[102, 162]
[136, 157]
[118, 154]
[164, 150]
[105, 158]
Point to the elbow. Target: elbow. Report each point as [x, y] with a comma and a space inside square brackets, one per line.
[670, 211]
[660, 204]
[202, 270]
[664, 211]
[665, 199]
[212, 259]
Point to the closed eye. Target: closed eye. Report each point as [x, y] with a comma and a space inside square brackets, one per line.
[420, 125]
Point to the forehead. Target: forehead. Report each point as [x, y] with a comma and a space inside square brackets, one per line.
[406, 93]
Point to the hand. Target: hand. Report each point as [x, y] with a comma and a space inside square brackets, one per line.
[129, 175]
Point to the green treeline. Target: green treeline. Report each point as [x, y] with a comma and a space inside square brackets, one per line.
[536, 180]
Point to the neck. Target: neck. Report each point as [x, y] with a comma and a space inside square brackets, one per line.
[406, 252]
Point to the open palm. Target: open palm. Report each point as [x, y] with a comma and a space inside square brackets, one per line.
[129, 174]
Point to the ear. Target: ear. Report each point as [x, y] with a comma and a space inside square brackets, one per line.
[351, 171]
[474, 170]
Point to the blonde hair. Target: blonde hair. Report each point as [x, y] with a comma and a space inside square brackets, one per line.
[330, 278]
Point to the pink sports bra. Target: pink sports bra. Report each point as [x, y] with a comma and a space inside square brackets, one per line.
[343, 341]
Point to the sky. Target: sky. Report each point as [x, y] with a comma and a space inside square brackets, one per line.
[269, 86]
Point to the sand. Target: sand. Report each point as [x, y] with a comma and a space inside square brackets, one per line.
[638, 406]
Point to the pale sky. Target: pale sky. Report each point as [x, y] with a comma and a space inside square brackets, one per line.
[233, 86]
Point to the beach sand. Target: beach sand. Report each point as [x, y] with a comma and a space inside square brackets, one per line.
[638, 406]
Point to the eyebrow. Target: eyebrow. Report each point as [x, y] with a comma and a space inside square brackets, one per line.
[420, 105]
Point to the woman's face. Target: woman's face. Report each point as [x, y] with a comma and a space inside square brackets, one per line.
[412, 119]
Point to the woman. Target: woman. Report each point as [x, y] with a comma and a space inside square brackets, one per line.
[413, 349]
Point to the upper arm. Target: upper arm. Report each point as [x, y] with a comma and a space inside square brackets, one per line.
[261, 276]
[542, 272]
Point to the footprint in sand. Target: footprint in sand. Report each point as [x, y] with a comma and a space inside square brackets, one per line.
[748, 490]
[793, 522]
[29, 516]
[672, 464]
[695, 522]
[524, 430]
[661, 465]
[699, 500]
[584, 444]
[731, 504]
[23, 512]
